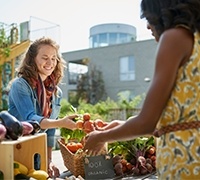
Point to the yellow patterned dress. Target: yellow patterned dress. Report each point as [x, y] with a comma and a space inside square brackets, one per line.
[178, 153]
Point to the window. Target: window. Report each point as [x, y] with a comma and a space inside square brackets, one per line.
[74, 70]
[127, 68]
[94, 41]
[122, 37]
[112, 38]
[103, 39]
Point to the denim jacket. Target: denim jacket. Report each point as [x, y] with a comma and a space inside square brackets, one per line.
[23, 104]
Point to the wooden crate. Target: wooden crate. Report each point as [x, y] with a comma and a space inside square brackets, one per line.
[22, 150]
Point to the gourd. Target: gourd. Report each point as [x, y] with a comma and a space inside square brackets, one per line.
[1, 175]
[20, 168]
[21, 177]
[38, 174]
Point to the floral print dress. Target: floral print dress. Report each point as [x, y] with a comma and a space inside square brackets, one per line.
[178, 153]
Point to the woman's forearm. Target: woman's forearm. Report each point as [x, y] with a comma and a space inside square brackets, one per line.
[49, 123]
[66, 122]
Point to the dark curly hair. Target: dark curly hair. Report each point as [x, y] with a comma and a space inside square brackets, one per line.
[166, 14]
[28, 68]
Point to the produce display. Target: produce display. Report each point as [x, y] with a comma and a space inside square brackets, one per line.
[135, 157]
[11, 128]
[22, 172]
[20, 168]
[84, 125]
[73, 141]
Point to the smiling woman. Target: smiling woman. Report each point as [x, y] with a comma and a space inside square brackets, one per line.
[35, 96]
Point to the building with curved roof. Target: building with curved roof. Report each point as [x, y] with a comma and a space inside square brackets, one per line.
[110, 34]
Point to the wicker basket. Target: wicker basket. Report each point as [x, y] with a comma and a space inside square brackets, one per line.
[73, 162]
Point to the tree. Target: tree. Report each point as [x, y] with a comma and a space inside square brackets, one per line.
[4, 52]
[4, 43]
[90, 86]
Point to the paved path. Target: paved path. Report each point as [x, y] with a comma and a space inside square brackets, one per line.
[58, 160]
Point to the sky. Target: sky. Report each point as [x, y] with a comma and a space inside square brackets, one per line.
[71, 20]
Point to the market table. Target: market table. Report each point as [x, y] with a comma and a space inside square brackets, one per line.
[58, 161]
[69, 176]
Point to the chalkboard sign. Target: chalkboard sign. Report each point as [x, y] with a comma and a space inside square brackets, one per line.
[98, 167]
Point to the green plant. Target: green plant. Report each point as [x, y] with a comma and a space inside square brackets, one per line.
[4, 43]
[100, 110]
[65, 108]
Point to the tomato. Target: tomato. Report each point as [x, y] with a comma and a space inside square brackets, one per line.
[99, 123]
[88, 126]
[79, 124]
[86, 117]
[72, 146]
[79, 145]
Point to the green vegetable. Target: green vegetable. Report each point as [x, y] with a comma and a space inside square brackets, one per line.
[76, 134]
[72, 134]
[136, 147]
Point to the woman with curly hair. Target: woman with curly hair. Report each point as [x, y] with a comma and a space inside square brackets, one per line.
[171, 108]
[35, 95]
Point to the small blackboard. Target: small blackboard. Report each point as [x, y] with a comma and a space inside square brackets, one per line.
[98, 167]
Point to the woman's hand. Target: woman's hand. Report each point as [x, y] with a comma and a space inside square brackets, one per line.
[53, 171]
[93, 145]
[112, 124]
[68, 122]
[94, 141]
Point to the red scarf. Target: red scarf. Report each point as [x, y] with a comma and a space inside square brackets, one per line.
[45, 91]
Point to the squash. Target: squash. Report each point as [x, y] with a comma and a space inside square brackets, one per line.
[19, 168]
[38, 174]
[1, 175]
[21, 177]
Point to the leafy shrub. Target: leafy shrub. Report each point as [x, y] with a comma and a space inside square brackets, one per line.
[100, 110]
